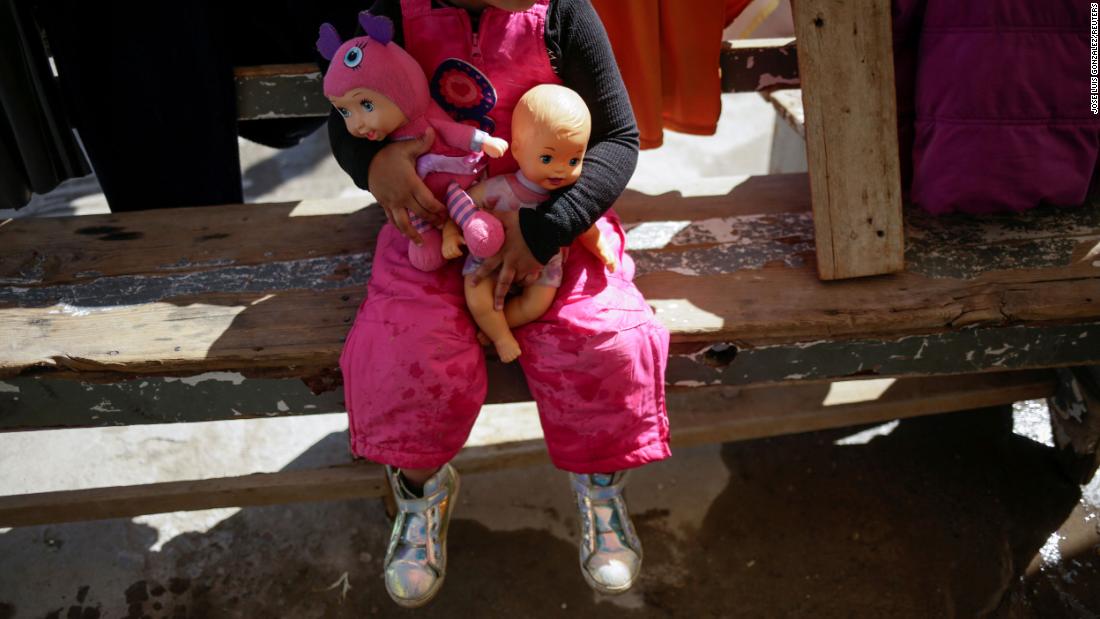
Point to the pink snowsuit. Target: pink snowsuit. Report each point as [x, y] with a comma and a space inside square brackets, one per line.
[414, 373]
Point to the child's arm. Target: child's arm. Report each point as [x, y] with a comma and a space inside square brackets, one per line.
[586, 64]
[396, 185]
[387, 170]
[584, 60]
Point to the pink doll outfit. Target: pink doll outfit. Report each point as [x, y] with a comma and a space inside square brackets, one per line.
[512, 192]
[414, 373]
[374, 61]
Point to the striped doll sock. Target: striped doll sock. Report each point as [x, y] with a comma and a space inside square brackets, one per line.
[420, 224]
[483, 233]
[459, 205]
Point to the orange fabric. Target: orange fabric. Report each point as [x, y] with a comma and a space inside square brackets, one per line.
[668, 52]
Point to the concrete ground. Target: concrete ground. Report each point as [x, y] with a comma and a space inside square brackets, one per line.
[966, 514]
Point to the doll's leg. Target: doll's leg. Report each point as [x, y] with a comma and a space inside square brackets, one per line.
[429, 256]
[528, 305]
[484, 234]
[452, 240]
[594, 242]
[479, 299]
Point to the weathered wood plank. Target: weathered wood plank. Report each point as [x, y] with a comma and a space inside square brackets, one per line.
[186, 335]
[53, 401]
[738, 268]
[294, 90]
[749, 65]
[698, 416]
[788, 105]
[759, 412]
[847, 72]
[280, 91]
[50, 251]
[961, 351]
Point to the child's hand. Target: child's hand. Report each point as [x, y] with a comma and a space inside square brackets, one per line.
[516, 262]
[494, 147]
[397, 187]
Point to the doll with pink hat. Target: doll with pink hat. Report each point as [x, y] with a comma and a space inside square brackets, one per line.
[382, 93]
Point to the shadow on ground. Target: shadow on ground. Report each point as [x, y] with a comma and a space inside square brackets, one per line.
[268, 174]
[941, 517]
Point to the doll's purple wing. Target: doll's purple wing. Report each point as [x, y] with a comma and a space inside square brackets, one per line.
[377, 27]
[464, 92]
[328, 41]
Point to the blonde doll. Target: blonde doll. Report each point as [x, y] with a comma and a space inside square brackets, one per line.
[550, 130]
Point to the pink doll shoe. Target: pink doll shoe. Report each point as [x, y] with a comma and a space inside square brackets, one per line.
[429, 256]
[484, 234]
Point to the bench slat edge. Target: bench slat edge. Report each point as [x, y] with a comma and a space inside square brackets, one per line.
[699, 416]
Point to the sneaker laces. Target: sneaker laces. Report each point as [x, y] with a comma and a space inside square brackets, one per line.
[600, 497]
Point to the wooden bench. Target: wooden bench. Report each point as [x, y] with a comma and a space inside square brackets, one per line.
[239, 311]
[105, 313]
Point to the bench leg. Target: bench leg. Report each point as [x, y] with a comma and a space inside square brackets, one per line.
[1075, 419]
[788, 154]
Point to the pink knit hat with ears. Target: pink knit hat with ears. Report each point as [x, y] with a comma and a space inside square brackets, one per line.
[373, 61]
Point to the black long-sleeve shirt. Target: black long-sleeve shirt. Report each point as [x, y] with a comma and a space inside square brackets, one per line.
[581, 56]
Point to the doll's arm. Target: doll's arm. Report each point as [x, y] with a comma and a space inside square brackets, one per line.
[494, 147]
[477, 194]
[465, 137]
[594, 242]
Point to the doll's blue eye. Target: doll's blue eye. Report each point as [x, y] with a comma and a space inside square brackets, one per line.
[353, 57]
[574, 161]
[368, 105]
[545, 158]
[344, 112]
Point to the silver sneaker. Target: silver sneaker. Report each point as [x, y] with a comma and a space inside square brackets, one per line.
[416, 560]
[611, 553]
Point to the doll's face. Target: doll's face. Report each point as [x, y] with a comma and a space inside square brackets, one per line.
[369, 114]
[551, 159]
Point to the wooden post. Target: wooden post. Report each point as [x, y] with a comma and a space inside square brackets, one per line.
[846, 64]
